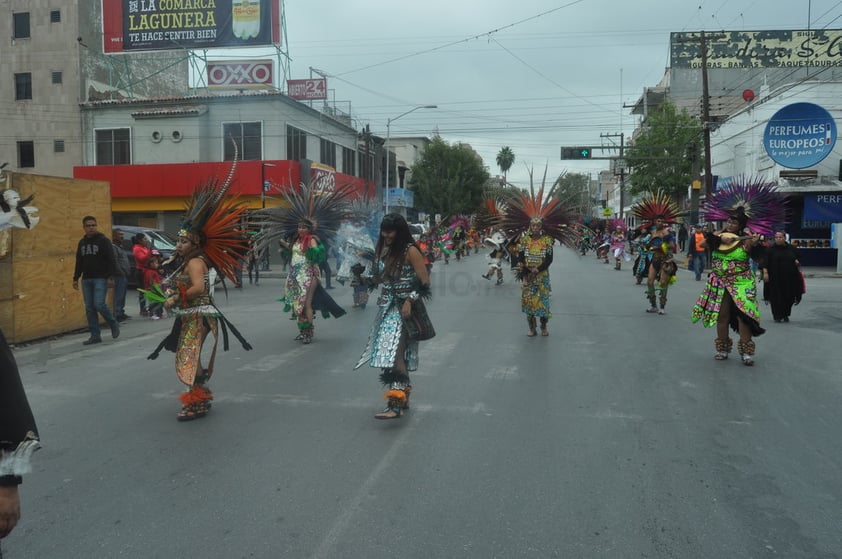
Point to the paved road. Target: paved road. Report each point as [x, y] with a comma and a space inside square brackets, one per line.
[617, 436]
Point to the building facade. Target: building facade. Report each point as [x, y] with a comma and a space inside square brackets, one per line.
[54, 62]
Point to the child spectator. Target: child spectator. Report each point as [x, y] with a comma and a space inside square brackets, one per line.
[151, 277]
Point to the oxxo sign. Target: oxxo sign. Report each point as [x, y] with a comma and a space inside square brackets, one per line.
[240, 74]
[800, 135]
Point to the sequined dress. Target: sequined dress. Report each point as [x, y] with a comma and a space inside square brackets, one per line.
[385, 336]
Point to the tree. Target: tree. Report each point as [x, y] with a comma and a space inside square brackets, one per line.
[573, 189]
[448, 179]
[505, 160]
[662, 157]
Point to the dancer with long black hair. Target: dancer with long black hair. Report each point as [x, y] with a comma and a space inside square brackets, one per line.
[393, 343]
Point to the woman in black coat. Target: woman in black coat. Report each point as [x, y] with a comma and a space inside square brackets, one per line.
[782, 283]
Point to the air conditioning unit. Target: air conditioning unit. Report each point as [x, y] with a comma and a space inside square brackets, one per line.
[155, 137]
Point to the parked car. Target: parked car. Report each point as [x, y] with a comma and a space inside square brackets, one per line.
[161, 241]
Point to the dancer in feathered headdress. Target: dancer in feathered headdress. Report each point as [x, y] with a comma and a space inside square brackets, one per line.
[750, 206]
[539, 221]
[304, 228]
[210, 240]
[657, 210]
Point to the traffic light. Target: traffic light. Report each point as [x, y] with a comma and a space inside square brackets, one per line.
[576, 153]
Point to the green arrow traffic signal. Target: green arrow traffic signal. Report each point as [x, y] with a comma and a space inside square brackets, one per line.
[576, 153]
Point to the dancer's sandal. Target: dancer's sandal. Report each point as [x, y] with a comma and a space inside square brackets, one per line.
[545, 332]
[720, 356]
[748, 360]
[532, 333]
[189, 413]
[391, 412]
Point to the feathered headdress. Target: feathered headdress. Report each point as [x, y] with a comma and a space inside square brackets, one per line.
[617, 223]
[753, 201]
[213, 220]
[525, 208]
[656, 205]
[460, 220]
[322, 210]
[489, 212]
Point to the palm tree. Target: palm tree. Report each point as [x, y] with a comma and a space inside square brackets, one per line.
[505, 160]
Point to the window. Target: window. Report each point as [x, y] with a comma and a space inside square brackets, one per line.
[57, 77]
[328, 152]
[23, 86]
[296, 144]
[249, 139]
[55, 16]
[113, 147]
[20, 25]
[58, 146]
[26, 154]
[348, 161]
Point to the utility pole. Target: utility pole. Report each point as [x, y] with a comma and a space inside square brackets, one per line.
[622, 169]
[706, 117]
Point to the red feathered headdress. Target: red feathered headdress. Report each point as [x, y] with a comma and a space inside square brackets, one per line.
[656, 205]
[213, 221]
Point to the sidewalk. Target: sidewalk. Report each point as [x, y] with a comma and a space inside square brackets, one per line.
[139, 333]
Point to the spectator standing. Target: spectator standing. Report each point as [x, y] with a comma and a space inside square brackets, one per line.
[121, 275]
[152, 276]
[141, 250]
[783, 285]
[696, 251]
[682, 237]
[95, 265]
[253, 263]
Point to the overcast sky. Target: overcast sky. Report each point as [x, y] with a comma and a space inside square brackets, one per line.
[533, 75]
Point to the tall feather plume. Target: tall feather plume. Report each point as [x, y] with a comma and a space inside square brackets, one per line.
[654, 205]
[325, 209]
[556, 217]
[217, 217]
[764, 206]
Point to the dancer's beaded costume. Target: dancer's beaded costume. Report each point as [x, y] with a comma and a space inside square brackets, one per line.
[212, 225]
[536, 252]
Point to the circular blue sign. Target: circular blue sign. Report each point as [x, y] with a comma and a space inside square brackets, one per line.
[800, 135]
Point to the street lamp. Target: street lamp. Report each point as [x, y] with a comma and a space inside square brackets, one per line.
[388, 135]
[263, 185]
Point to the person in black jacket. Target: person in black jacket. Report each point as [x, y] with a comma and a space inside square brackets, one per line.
[95, 264]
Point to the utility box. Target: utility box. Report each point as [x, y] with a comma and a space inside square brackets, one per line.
[37, 298]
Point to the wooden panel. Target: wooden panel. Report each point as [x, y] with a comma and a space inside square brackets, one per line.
[37, 298]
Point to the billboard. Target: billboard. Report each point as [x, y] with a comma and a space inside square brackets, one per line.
[241, 74]
[147, 25]
[306, 90]
[758, 49]
[799, 135]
